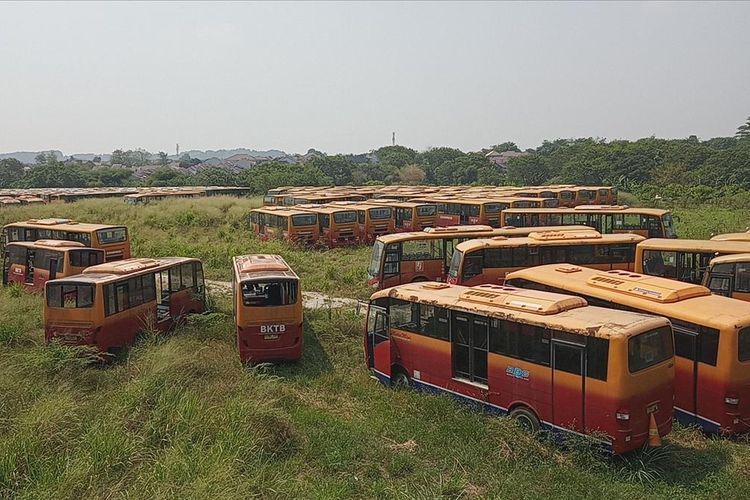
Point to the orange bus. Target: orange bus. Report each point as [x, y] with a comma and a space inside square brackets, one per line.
[607, 219]
[729, 275]
[113, 240]
[374, 220]
[410, 216]
[107, 305]
[288, 223]
[33, 263]
[338, 226]
[320, 198]
[489, 260]
[267, 300]
[711, 335]
[462, 211]
[550, 361]
[732, 236]
[683, 260]
[426, 255]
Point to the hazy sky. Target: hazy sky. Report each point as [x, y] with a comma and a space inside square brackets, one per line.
[340, 77]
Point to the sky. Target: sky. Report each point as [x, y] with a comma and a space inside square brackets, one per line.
[341, 77]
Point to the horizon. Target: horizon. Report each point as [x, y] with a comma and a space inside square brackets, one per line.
[341, 77]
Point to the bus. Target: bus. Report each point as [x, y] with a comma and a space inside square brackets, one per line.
[732, 236]
[426, 255]
[607, 219]
[319, 198]
[489, 260]
[113, 240]
[550, 361]
[288, 223]
[267, 300]
[410, 216]
[374, 220]
[729, 275]
[711, 336]
[33, 263]
[683, 260]
[108, 304]
[338, 226]
[462, 211]
[147, 197]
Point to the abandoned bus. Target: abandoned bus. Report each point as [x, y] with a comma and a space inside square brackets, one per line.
[374, 220]
[288, 223]
[711, 335]
[732, 236]
[267, 301]
[112, 239]
[426, 255]
[338, 226]
[410, 216]
[683, 260]
[107, 305]
[729, 275]
[607, 219]
[489, 260]
[548, 360]
[33, 263]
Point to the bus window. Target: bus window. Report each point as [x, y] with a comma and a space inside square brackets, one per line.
[114, 235]
[648, 349]
[426, 210]
[664, 264]
[743, 340]
[742, 279]
[344, 217]
[421, 250]
[380, 213]
[86, 258]
[304, 220]
[70, 296]
[263, 294]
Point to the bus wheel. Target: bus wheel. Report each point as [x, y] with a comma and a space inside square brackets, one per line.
[525, 418]
[399, 379]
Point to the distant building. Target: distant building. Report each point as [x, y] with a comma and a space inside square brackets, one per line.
[502, 159]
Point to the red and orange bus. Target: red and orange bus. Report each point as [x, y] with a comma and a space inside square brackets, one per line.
[288, 223]
[113, 240]
[267, 301]
[374, 220]
[33, 263]
[607, 219]
[488, 260]
[410, 216]
[107, 305]
[711, 336]
[338, 225]
[426, 255]
[548, 360]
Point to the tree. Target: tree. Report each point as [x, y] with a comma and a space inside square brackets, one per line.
[337, 168]
[11, 171]
[743, 131]
[411, 174]
[531, 170]
[215, 177]
[506, 146]
[398, 156]
[163, 159]
[166, 176]
[54, 174]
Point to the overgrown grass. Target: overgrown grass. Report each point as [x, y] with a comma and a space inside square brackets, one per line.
[177, 416]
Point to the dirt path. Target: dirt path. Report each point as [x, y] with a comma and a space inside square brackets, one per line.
[310, 300]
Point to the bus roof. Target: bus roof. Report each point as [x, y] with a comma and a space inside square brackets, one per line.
[326, 209]
[731, 259]
[472, 231]
[720, 246]
[527, 306]
[283, 211]
[732, 237]
[551, 238]
[250, 267]
[113, 271]
[670, 298]
[61, 245]
[61, 225]
[618, 209]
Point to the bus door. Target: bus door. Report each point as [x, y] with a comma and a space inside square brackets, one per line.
[449, 245]
[163, 293]
[6, 267]
[29, 266]
[378, 350]
[52, 268]
[686, 370]
[607, 224]
[568, 385]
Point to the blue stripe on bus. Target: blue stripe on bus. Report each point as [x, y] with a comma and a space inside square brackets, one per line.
[687, 418]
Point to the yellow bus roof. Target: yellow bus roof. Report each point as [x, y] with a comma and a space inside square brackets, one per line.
[262, 266]
[326, 209]
[731, 259]
[471, 231]
[732, 237]
[113, 271]
[553, 310]
[62, 225]
[671, 298]
[719, 246]
[61, 245]
[549, 238]
[615, 209]
[282, 211]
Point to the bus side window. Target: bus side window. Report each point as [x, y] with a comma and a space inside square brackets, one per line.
[404, 315]
[742, 280]
[597, 358]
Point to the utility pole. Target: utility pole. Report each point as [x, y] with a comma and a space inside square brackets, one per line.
[393, 139]
[178, 150]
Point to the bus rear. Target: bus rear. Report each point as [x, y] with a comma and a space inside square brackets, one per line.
[268, 309]
[343, 228]
[73, 312]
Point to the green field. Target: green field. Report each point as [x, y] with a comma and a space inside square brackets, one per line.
[179, 417]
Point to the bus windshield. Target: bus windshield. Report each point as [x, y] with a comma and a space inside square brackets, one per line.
[114, 235]
[304, 220]
[380, 213]
[269, 293]
[426, 210]
[455, 263]
[69, 296]
[345, 217]
[649, 349]
[377, 254]
[492, 208]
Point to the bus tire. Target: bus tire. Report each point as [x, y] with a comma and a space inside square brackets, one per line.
[526, 419]
[399, 378]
